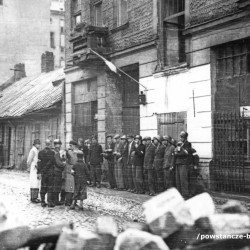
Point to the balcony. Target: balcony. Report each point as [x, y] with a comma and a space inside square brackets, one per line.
[86, 37]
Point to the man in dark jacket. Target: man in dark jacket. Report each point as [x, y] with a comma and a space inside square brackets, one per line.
[46, 169]
[148, 166]
[131, 180]
[158, 162]
[117, 155]
[108, 155]
[182, 163]
[95, 161]
[168, 161]
[122, 164]
[139, 152]
[59, 166]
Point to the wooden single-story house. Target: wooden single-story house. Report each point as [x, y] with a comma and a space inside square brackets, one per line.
[30, 108]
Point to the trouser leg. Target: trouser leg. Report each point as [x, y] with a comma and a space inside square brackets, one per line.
[116, 173]
[44, 186]
[120, 175]
[139, 179]
[183, 172]
[98, 171]
[160, 182]
[68, 198]
[134, 176]
[92, 173]
[146, 180]
[130, 178]
[111, 174]
[151, 182]
[34, 193]
[62, 196]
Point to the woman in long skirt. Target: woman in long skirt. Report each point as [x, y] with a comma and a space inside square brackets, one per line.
[34, 178]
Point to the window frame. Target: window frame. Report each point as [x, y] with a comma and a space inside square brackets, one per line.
[99, 3]
[119, 12]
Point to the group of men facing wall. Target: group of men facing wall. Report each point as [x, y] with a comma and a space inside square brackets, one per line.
[149, 165]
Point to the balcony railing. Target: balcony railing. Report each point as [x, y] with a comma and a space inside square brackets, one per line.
[85, 38]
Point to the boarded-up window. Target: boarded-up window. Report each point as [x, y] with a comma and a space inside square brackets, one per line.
[172, 124]
[84, 122]
[36, 132]
[232, 76]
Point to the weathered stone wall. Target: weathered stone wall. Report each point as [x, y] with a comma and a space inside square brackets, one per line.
[206, 10]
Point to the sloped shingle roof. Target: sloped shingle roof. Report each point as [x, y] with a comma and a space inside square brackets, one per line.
[31, 94]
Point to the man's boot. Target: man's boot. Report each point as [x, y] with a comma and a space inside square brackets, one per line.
[43, 203]
[73, 205]
[81, 205]
[51, 199]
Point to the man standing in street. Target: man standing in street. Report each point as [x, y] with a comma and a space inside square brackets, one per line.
[108, 155]
[139, 152]
[32, 162]
[117, 155]
[168, 161]
[58, 170]
[122, 164]
[131, 144]
[158, 162]
[183, 162]
[148, 166]
[46, 170]
[95, 161]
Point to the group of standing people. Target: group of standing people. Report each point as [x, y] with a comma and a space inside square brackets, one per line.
[149, 165]
[61, 174]
[135, 164]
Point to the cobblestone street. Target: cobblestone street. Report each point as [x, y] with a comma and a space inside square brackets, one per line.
[14, 189]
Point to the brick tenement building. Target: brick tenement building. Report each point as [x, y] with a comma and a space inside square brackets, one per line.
[125, 32]
[176, 49]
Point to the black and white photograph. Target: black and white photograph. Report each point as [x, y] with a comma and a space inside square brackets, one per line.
[124, 124]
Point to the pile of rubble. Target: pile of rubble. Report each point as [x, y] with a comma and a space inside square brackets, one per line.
[171, 223]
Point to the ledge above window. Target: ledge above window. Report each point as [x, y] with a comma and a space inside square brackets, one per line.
[121, 27]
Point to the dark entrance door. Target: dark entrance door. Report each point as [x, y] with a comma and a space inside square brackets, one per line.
[131, 108]
[9, 145]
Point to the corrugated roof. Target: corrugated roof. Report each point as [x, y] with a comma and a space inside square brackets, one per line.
[31, 94]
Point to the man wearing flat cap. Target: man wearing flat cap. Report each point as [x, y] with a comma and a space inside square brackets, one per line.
[108, 155]
[58, 170]
[122, 164]
[168, 162]
[46, 169]
[183, 162]
[117, 155]
[148, 166]
[131, 144]
[95, 161]
[158, 162]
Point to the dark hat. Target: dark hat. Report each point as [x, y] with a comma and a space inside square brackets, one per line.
[72, 142]
[124, 137]
[138, 137]
[36, 141]
[111, 136]
[183, 134]
[167, 138]
[159, 138]
[57, 141]
[130, 136]
[147, 138]
[117, 136]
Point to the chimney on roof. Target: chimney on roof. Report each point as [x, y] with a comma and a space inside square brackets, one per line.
[47, 64]
[19, 71]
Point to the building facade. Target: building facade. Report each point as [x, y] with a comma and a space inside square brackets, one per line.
[191, 59]
[57, 30]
